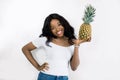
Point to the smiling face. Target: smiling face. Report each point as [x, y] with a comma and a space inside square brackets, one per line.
[56, 28]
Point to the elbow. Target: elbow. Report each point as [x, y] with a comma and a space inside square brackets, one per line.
[74, 68]
[24, 49]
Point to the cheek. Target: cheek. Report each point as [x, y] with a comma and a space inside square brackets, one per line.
[62, 28]
[53, 31]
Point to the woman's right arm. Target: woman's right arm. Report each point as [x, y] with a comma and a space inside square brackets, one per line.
[27, 52]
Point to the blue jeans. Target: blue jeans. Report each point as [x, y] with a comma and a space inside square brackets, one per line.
[43, 76]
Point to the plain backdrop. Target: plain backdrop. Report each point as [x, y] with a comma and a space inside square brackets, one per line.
[21, 21]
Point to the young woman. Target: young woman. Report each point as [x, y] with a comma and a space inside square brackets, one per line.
[60, 45]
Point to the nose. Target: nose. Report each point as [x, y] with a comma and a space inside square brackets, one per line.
[57, 28]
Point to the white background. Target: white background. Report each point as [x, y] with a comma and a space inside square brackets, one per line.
[21, 21]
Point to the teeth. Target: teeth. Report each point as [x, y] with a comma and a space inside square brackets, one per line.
[59, 32]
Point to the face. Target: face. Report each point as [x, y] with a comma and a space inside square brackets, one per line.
[56, 28]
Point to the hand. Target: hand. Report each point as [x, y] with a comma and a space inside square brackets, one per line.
[43, 67]
[88, 40]
[79, 41]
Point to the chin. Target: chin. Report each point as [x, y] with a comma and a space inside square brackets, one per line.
[60, 36]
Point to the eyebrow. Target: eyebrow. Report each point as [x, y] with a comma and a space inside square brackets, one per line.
[58, 22]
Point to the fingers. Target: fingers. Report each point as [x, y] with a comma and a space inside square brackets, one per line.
[44, 67]
[86, 40]
[79, 41]
[89, 39]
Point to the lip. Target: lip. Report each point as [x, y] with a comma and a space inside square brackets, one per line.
[59, 32]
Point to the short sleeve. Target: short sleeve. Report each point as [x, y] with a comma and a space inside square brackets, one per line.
[39, 42]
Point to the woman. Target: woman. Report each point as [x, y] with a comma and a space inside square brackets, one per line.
[61, 49]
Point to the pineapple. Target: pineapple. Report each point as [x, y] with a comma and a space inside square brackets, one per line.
[85, 28]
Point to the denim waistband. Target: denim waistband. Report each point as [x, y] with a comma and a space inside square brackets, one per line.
[51, 77]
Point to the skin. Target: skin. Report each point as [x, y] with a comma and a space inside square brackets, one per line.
[58, 30]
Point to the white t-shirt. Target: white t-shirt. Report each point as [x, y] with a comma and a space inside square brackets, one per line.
[57, 56]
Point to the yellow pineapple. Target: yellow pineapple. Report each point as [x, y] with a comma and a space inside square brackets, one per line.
[85, 28]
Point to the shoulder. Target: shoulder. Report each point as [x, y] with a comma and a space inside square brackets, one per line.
[42, 38]
[39, 41]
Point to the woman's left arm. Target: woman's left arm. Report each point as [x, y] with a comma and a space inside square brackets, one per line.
[75, 61]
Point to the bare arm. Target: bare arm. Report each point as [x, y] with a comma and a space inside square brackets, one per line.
[75, 61]
[27, 52]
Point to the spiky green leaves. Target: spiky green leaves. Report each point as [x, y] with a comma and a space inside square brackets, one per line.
[89, 14]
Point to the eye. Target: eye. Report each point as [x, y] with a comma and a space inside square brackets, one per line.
[59, 24]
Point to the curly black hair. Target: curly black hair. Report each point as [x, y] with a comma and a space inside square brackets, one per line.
[68, 29]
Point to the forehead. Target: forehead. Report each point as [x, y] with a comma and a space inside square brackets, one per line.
[54, 21]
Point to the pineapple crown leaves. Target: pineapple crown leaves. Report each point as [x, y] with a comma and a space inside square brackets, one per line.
[89, 14]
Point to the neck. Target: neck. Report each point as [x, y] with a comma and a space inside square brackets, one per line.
[61, 38]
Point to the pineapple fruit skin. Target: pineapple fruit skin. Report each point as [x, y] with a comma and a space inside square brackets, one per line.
[85, 31]
[85, 28]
